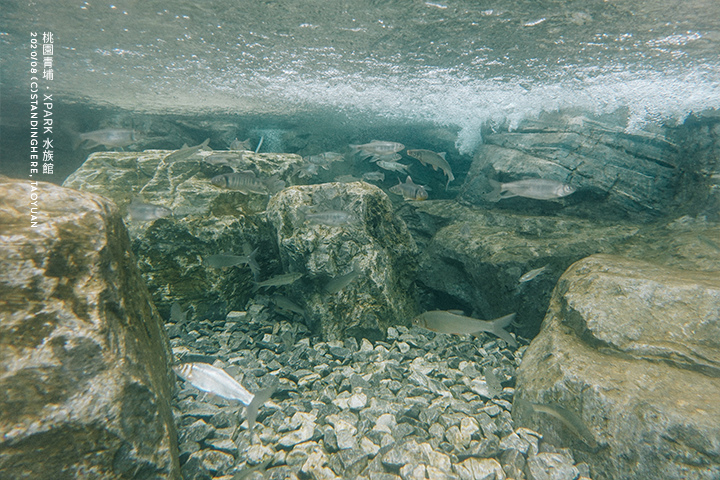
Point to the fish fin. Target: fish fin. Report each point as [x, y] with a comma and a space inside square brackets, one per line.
[456, 312]
[204, 145]
[442, 154]
[259, 400]
[498, 329]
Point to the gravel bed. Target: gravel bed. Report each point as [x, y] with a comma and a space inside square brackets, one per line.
[420, 405]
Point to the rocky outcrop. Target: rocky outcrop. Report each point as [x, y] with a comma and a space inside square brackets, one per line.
[83, 355]
[635, 175]
[632, 350]
[371, 241]
[474, 258]
[207, 220]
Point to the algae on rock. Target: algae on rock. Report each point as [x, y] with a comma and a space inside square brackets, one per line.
[84, 358]
[206, 220]
[377, 243]
[633, 349]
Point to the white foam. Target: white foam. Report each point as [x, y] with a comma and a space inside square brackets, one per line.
[447, 99]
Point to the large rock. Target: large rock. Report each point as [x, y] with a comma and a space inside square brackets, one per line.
[206, 220]
[473, 258]
[84, 360]
[632, 349]
[629, 174]
[377, 243]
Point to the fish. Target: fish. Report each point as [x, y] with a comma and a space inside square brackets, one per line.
[147, 212]
[393, 157]
[409, 190]
[177, 316]
[447, 322]
[374, 176]
[568, 418]
[244, 181]
[536, 188]
[324, 159]
[346, 179]
[331, 218]
[532, 274]
[435, 160]
[306, 170]
[392, 166]
[222, 260]
[186, 152]
[238, 145]
[377, 147]
[216, 381]
[279, 280]
[284, 304]
[493, 382]
[223, 158]
[108, 138]
[338, 283]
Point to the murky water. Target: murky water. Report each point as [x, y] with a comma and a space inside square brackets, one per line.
[460, 65]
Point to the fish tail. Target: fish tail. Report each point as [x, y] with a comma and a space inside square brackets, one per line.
[253, 264]
[258, 400]
[498, 328]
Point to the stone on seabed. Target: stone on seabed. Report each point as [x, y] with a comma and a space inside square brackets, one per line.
[633, 349]
[83, 355]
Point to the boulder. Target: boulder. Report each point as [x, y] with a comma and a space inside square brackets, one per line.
[84, 359]
[632, 351]
[635, 175]
[473, 258]
[373, 243]
[206, 220]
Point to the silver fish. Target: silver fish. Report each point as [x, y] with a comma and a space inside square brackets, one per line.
[377, 147]
[435, 160]
[446, 322]
[324, 159]
[537, 188]
[177, 316]
[238, 145]
[284, 304]
[279, 280]
[532, 274]
[392, 166]
[147, 212]
[216, 381]
[346, 179]
[306, 170]
[374, 176]
[568, 418]
[342, 281]
[207, 378]
[244, 182]
[186, 152]
[221, 260]
[223, 158]
[393, 157]
[108, 138]
[332, 218]
[409, 190]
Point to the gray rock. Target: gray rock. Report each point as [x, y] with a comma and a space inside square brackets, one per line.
[621, 172]
[480, 469]
[85, 359]
[206, 220]
[644, 372]
[376, 243]
[552, 466]
[304, 425]
[197, 432]
[213, 461]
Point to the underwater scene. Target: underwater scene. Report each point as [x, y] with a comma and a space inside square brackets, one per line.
[377, 240]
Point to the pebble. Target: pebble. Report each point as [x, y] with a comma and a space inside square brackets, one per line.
[414, 406]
